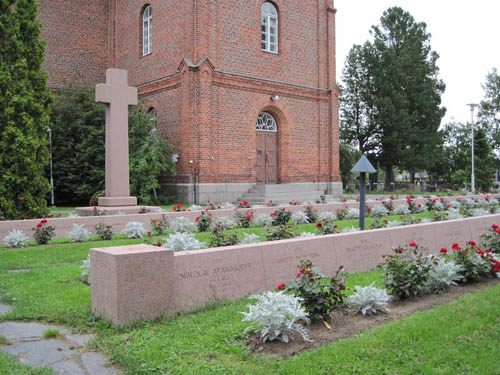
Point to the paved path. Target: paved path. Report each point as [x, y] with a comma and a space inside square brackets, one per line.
[66, 355]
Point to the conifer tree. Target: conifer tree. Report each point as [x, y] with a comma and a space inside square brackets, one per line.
[24, 113]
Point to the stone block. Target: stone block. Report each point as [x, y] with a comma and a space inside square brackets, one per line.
[480, 225]
[421, 234]
[131, 282]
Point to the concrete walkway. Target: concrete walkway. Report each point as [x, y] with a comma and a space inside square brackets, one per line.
[66, 354]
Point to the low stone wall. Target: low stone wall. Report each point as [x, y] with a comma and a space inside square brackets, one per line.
[144, 282]
[63, 225]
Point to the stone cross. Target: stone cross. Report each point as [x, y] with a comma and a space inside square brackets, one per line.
[118, 96]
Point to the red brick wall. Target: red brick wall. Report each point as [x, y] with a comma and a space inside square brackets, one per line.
[207, 108]
[77, 44]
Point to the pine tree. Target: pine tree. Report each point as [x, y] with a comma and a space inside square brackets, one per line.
[24, 112]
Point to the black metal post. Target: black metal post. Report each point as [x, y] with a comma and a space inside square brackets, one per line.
[362, 193]
[50, 166]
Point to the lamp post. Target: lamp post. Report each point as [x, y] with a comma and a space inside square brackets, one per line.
[49, 131]
[472, 177]
[362, 166]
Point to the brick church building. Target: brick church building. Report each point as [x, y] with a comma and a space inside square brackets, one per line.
[244, 90]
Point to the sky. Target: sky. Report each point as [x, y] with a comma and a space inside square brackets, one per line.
[465, 34]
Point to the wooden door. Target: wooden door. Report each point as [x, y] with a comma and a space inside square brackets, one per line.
[267, 157]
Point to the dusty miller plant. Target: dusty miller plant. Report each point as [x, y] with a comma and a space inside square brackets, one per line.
[379, 210]
[264, 220]
[181, 241]
[299, 217]
[402, 210]
[443, 274]
[352, 213]
[369, 300]
[250, 238]
[196, 207]
[277, 316]
[327, 216]
[306, 234]
[16, 238]
[225, 222]
[85, 267]
[134, 229]
[78, 233]
[227, 206]
[182, 224]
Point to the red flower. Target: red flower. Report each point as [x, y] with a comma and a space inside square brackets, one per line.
[245, 203]
[319, 224]
[419, 205]
[39, 225]
[241, 203]
[249, 217]
[174, 208]
[198, 218]
[472, 243]
[59, 214]
[94, 208]
[494, 226]
[383, 202]
[283, 209]
[184, 210]
[179, 205]
[449, 205]
[335, 227]
[273, 214]
[433, 201]
[308, 207]
[383, 256]
[443, 250]
[498, 231]
[391, 197]
[298, 275]
[456, 246]
[218, 207]
[43, 221]
[419, 219]
[386, 221]
[159, 244]
[413, 243]
[281, 286]
[480, 252]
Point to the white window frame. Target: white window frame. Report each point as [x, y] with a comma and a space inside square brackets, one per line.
[147, 31]
[269, 18]
[266, 123]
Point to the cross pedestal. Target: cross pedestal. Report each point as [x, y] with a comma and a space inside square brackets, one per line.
[118, 96]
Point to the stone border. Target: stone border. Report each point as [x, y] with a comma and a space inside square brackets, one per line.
[144, 282]
[64, 225]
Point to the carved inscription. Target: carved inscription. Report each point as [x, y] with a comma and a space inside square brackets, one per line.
[298, 257]
[365, 247]
[216, 271]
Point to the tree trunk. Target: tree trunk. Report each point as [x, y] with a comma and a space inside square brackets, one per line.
[412, 177]
[388, 178]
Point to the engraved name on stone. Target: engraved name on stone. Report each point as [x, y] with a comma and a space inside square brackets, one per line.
[216, 270]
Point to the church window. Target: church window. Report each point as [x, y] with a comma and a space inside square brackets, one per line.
[153, 119]
[147, 31]
[269, 28]
[266, 123]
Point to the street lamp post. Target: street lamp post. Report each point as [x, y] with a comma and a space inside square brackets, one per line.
[362, 166]
[49, 131]
[472, 177]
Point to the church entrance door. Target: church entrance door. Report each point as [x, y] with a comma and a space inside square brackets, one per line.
[267, 149]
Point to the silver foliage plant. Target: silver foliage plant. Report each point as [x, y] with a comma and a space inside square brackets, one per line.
[78, 233]
[182, 224]
[299, 217]
[264, 220]
[16, 238]
[306, 234]
[277, 316]
[352, 213]
[85, 267]
[480, 212]
[250, 238]
[227, 206]
[133, 229]
[379, 210]
[453, 214]
[455, 204]
[443, 274]
[369, 300]
[181, 241]
[226, 222]
[196, 207]
[327, 216]
[402, 210]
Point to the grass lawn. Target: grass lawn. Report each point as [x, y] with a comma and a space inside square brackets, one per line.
[457, 338]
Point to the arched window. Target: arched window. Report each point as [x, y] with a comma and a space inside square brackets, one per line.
[147, 31]
[269, 28]
[266, 123]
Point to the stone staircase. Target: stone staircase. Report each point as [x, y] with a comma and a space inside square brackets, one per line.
[283, 193]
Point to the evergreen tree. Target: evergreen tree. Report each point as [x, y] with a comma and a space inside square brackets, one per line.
[392, 95]
[78, 134]
[489, 114]
[24, 112]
